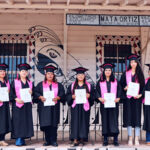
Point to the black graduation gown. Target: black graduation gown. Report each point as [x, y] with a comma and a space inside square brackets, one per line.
[22, 121]
[109, 116]
[79, 117]
[48, 115]
[131, 107]
[146, 124]
[5, 123]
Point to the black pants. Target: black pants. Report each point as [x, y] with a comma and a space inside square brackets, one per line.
[2, 137]
[114, 135]
[50, 134]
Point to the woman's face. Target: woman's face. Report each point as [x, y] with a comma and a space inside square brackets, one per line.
[80, 77]
[133, 64]
[108, 72]
[49, 76]
[23, 73]
[2, 73]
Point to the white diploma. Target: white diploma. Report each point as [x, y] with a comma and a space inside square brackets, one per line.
[25, 95]
[147, 98]
[4, 96]
[80, 96]
[49, 95]
[133, 89]
[109, 100]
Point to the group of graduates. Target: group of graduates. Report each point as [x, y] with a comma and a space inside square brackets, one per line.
[20, 123]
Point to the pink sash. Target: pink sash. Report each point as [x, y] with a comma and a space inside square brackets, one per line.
[17, 89]
[54, 88]
[103, 86]
[86, 106]
[8, 85]
[129, 79]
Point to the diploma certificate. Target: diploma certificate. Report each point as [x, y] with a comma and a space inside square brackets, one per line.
[147, 98]
[49, 95]
[109, 100]
[25, 95]
[80, 96]
[4, 96]
[133, 89]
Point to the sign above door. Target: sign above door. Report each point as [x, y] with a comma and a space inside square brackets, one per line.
[107, 20]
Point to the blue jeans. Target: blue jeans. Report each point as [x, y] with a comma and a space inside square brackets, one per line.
[147, 136]
[137, 131]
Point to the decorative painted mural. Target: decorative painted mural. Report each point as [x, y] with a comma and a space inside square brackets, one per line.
[46, 48]
[49, 50]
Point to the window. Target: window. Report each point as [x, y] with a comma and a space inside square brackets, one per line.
[13, 54]
[116, 54]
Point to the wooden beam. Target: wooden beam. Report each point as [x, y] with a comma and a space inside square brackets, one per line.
[10, 2]
[142, 3]
[124, 2]
[65, 44]
[60, 11]
[28, 2]
[68, 2]
[105, 2]
[87, 2]
[48, 2]
[75, 7]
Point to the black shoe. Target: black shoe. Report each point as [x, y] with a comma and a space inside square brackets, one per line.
[82, 143]
[116, 143]
[46, 144]
[105, 143]
[54, 144]
[74, 144]
[24, 144]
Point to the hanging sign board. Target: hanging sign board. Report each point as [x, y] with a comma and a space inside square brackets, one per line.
[73, 19]
[107, 20]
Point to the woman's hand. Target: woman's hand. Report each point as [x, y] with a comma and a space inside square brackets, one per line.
[30, 91]
[19, 101]
[87, 95]
[138, 96]
[42, 98]
[73, 97]
[1, 101]
[117, 100]
[56, 99]
[101, 100]
[126, 88]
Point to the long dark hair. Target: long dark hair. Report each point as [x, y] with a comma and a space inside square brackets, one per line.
[54, 79]
[6, 78]
[139, 73]
[84, 85]
[103, 77]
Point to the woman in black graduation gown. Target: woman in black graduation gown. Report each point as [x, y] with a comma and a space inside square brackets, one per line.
[109, 116]
[80, 113]
[146, 124]
[5, 123]
[22, 122]
[132, 105]
[49, 115]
